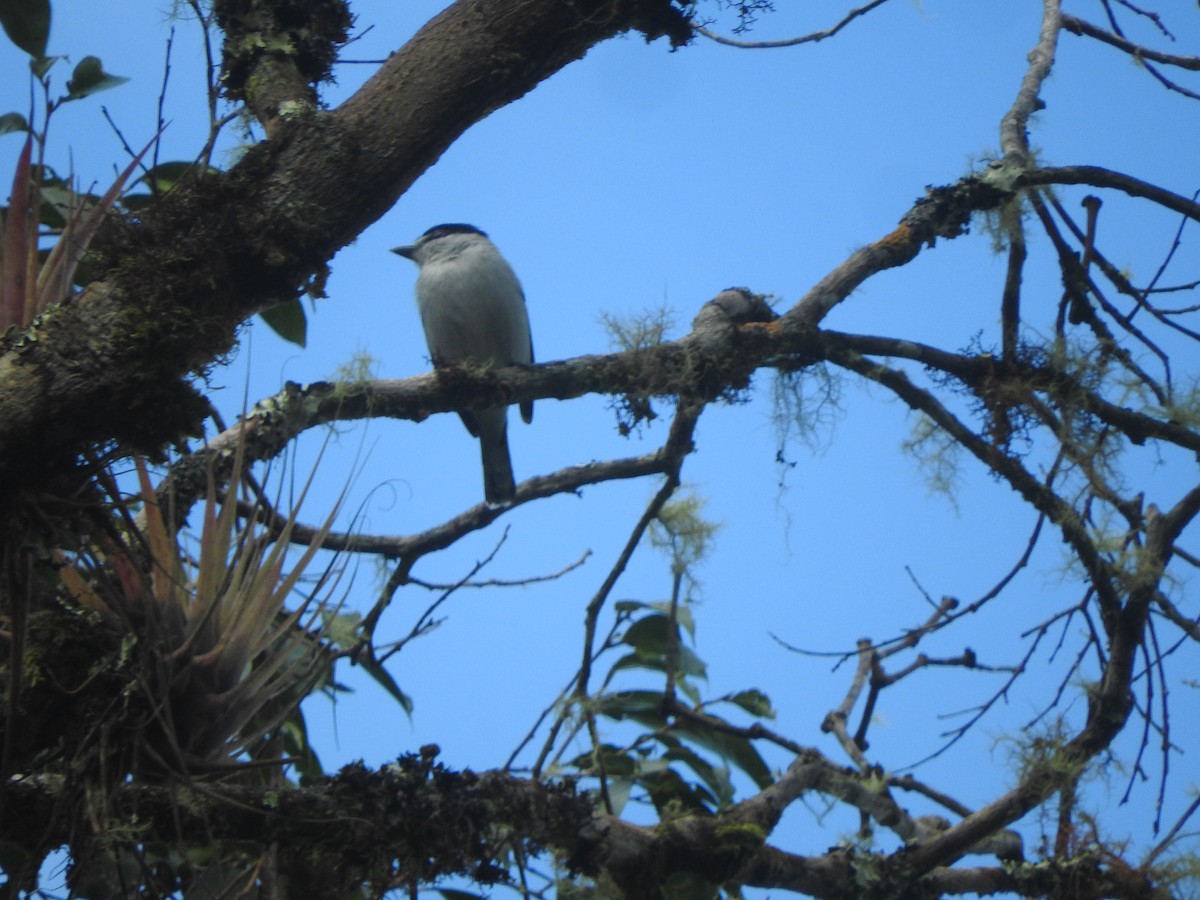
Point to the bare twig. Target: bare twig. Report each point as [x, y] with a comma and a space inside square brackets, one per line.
[1010, 301]
[1078, 26]
[1170, 837]
[1014, 140]
[811, 38]
[835, 720]
[1106, 178]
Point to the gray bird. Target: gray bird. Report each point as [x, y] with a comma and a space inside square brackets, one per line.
[473, 308]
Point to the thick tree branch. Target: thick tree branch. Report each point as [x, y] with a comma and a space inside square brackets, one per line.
[176, 286]
[373, 825]
[944, 212]
[820, 877]
[384, 817]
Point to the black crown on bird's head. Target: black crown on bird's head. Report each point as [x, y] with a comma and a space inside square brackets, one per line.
[438, 231]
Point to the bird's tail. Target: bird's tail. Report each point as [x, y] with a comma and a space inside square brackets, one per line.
[498, 484]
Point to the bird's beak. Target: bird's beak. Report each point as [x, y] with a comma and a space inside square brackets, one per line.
[406, 251]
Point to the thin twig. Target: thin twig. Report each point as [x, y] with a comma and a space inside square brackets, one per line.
[1081, 27]
[811, 38]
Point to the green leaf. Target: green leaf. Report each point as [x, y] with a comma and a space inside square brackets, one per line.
[619, 790]
[58, 203]
[39, 67]
[372, 667]
[287, 320]
[641, 706]
[166, 175]
[645, 708]
[648, 635]
[683, 614]
[754, 702]
[715, 777]
[10, 122]
[137, 202]
[616, 762]
[633, 661]
[89, 77]
[27, 24]
[669, 788]
[683, 617]
[689, 664]
[299, 750]
[628, 606]
[342, 629]
[689, 690]
[738, 750]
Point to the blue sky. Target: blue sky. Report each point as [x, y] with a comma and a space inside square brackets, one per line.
[639, 178]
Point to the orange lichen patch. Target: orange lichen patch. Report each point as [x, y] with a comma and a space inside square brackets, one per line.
[770, 328]
[900, 238]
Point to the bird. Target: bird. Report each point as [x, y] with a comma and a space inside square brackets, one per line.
[473, 308]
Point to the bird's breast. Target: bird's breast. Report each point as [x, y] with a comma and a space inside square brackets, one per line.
[472, 311]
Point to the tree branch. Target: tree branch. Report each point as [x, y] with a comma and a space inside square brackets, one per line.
[810, 38]
[109, 364]
[1106, 178]
[1078, 26]
[1014, 140]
